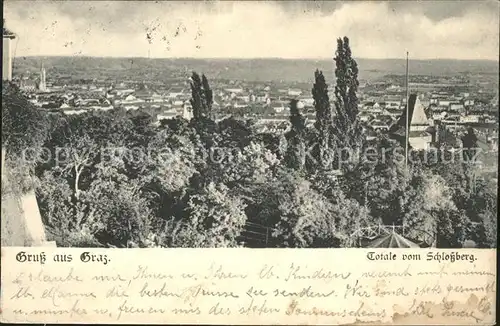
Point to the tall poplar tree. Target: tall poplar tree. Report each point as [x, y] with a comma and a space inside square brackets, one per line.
[295, 157]
[201, 96]
[197, 96]
[209, 98]
[347, 128]
[323, 111]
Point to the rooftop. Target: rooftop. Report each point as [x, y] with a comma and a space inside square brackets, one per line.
[176, 90]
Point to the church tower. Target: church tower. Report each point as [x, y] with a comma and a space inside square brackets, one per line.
[42, 86]
[420, 133]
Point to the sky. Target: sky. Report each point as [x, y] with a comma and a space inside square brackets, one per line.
[284, 29]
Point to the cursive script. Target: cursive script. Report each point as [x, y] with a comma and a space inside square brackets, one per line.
[165, 285]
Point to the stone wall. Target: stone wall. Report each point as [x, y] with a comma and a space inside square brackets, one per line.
[21, 220]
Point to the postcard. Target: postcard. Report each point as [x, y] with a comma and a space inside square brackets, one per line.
[250, 162]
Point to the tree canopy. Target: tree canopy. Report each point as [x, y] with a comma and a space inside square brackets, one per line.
[119, 180]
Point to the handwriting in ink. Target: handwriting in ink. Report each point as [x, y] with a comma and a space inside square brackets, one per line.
[295, 273]
[143, 273]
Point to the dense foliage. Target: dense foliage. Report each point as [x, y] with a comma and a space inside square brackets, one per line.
[115, 179]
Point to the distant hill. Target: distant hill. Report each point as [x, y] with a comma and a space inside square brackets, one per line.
[252, 69]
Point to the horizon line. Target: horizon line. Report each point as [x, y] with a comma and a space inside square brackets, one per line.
[243, 58]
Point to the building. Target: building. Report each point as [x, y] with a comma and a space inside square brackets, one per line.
[392, 104]
[419, 137]
[470, 119]
[380, 125]
[234, 91]
[294, 92]
[445, 103]
[27, 85]
[8, 38]
[278, 106]
[175, 92]
[186, 112]
[421, 134]
[307, 101]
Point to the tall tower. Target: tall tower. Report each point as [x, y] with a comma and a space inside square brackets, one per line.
[43, 83]
[8, 36]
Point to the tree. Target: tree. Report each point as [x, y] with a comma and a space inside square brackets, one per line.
[486, 234]
[111, 210]
[303, 217]
[235, 133]
[347, 129]
[197, 100]
[170, 162]
[469, 141]
[166, 174]
[115, 209]
[451, 168]
[215, 218]
[176, 125]
[201, 96]
[481, 209]
[323, 112]
[76, 138]
[350, 216]
[141, 130]
[242, 169]
[55, 201]
[23, 125]
[430, 213]
[295, 157]
[208, 94]
[201, 102]
[275, 143]
[377, 182]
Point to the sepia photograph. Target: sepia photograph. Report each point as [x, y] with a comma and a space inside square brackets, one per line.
[250, 124]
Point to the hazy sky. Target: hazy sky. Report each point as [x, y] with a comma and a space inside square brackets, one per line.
[287, 29]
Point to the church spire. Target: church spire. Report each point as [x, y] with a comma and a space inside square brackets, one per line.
[43, 82]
